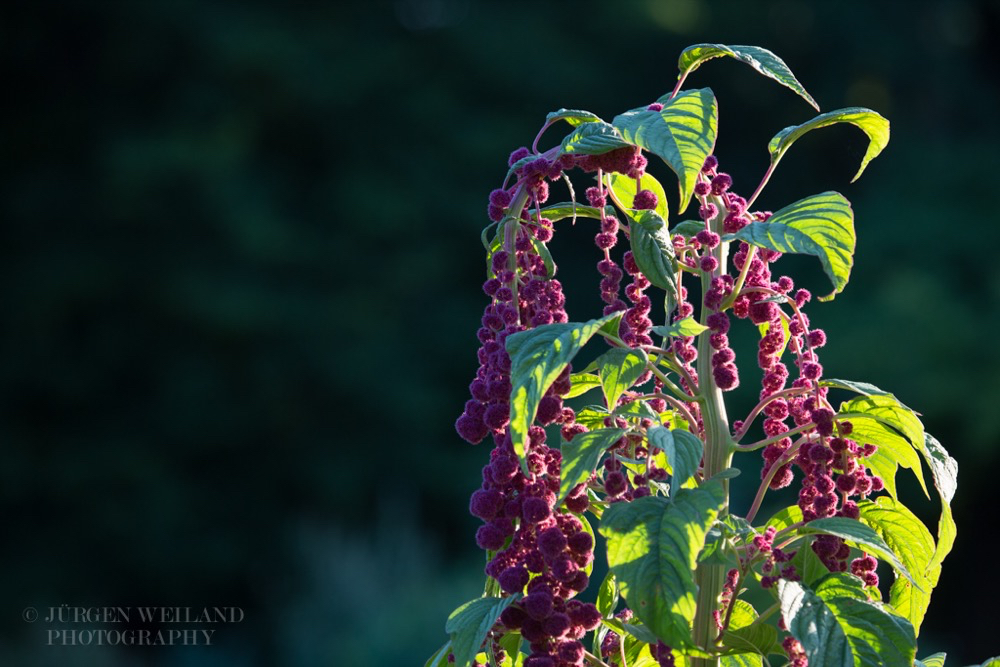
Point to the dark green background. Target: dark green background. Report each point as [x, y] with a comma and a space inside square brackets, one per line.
[240, 285]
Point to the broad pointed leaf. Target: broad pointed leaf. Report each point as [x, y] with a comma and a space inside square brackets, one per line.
[581, 455]
[607, 595]
[624, 189]
[683, 450]
[593, 139]
[944, 469]
[682, 134]
[745, 635]
[889, 411]
[839, 627]
[653, 544]
[893, 449]
[537, 357]
[874, 125]
[574, 117]
[861, 536]
[653, 250]
[686, 327]
[581, 384]
[564, 210]
[912, 542]
[469, 624]
[933, 660]
[619, 368]
[821, 225]
[760, 59]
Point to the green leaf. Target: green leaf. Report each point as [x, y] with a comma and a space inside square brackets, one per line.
[638, 409]
[785, 517]
[992, 662]
[874, 125]
[653, 544]
[741, 660]
[889, 411]
[743, 634]
[593, 139]
[686, 327]
[565, 210]
[543, 251]
[592, 416]
[581, 455]
[856, 387]
[943, 467]
[469, 624]
[581, 384]
[760, 59]
[682, 134]
[912, 542]
[839, 627]
[511, 643]
[683, 449]
[809, 566]
[537, 357]
[653, 250]
[863, 537]
[619, 368]
[821, 225]
[688, 228]
[607, 595]
[893, 449]
[624, 190]
[933, 660]
[574, 117]
[944, 470]
[440, 657]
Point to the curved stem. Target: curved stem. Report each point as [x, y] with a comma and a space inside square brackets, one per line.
[766, 482]
[791, 391]
[781, 436]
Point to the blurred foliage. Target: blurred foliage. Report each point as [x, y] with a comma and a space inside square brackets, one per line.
[241, 283]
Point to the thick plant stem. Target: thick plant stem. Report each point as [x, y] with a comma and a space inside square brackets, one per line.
[718, 456]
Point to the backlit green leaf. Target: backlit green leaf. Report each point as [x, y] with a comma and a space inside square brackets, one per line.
[564, 210]
[933, 660]
[593, 139]
[874, 125]
[607, 595]
[912, 542]
[619, 368]
[944, 470]
[653, 544]
[682, 134]
[574, 117]
[683, 450]
[537, 357]
[821, 225]
[581, 455]
[653, 250]
[581, 384]
[862, 536]
[785, 517]
[624, 190]
[760, 59]
[744, 635]
[893, 449]
[440, 657]
[839, 627]
[469, 624]
[686, 327]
